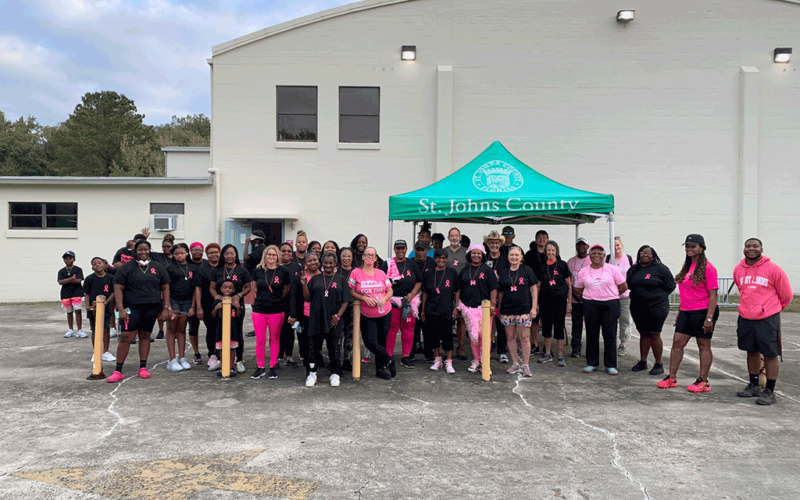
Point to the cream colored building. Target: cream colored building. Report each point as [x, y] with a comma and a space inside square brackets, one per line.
[682, 114]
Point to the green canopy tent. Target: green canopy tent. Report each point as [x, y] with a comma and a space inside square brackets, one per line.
[497, 188]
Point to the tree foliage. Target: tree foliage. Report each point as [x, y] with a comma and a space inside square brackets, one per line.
[104, 136]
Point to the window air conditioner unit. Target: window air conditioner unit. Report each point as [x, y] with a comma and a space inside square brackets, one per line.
[164, 222]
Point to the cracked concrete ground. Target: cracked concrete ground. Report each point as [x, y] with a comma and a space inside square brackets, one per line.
[561, 434]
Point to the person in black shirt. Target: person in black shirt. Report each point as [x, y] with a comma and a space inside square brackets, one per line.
[182, 305]
[272, 285]
[497, 259]
[204, 302]
[165, 258]
[406, 284]
[299, 308]
[302, 246]
[70, 278]
[650, 283]
[518, 304]
[439, 289]
[425, 265]
[328, 295]
[251, 260]
[476, 283]
[554, 303]
[289, 263]
[100, 283]
[535, 259]
[231, 269]
[344, 269]
[196, 254]
[227, 288]
[140, 287]
[127, 253]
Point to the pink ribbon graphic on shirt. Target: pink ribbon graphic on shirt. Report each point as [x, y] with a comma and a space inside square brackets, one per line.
[105, 288]
[234, 278]
[152, 270]
[190, 274]
[233, 313]
[333, 285]
[647, 277]
[472, 282]
[481, 276]
[408, 273]
[521, 281]
[455, 263]
[513, 289]
[555, 272]
[447, 284]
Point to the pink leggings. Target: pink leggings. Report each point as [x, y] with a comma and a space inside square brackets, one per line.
[406, 327]
[260, 324]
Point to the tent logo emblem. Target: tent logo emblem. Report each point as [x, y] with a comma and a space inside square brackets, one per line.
[497, 177]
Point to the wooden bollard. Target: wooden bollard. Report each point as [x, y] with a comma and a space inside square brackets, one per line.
[486, 340]
[226, 338]
[356, 340]
[99, 330]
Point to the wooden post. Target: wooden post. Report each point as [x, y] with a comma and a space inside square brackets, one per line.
[99, 330]
[356, 340]
[486, 340]
[226, 338]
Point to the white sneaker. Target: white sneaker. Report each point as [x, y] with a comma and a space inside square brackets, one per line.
[212, 359]
[240, 367]
[437, 363]
[474, 366]
[184, 364]
[448, 366]
[114, 333]
[215, 365]
[69, 333]
[81, 334]
[311, 380]
[334, 380]
[107, 356]
[174, 366]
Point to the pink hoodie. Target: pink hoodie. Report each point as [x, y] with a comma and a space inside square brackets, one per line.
[763, 287]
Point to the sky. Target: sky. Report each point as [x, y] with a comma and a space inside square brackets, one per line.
[52, 52]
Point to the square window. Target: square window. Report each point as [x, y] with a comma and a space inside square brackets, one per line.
[166, 208]
[359, 114]
[296, 108]
[30, 215]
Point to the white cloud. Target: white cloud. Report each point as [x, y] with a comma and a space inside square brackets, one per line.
[33, 61]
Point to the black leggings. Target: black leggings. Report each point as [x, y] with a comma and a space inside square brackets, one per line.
[577, 326]
[601, 314]
[374, 332]
[211, 330]
[287, 340]
[502, 341]
[334, 343]
[553, 311]
[438, 331]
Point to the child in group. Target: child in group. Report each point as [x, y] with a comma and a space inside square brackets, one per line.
[100, 283]
[227, 289]
[70, 278]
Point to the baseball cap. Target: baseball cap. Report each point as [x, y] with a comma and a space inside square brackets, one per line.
[597, 245]
[68, 253]
[400, 243]
[421, 244]
[695, 239]
[582, 240]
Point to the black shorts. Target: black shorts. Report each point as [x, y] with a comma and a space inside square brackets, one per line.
[760, 335]
[107, 320]
[649, 319]
[691, 323]
[141, 317]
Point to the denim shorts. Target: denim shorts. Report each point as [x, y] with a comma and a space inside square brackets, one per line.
[180, 307]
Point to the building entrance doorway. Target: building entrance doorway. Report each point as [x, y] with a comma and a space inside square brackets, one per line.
[272, 229]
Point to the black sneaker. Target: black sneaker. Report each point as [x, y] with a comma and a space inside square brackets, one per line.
[546, 358]
[407, 363]
[751, 391]
[639, 366]
[657, 369]
[260, 372]
[767, 398]
[382, 373]
[392, 368]
[535, 349]
[160, 335]
[272, 373]
[233, 373]
[198, 359]
[151, 340]
[575, 354]
[250, 334]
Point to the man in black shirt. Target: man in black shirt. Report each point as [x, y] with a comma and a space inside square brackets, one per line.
[424, 264]
[251, 260]
[536, 259]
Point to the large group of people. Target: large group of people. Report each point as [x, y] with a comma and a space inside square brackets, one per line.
[432, 296]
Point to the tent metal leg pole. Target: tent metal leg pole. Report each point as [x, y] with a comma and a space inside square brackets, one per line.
[611, 237]
[413, 234]
[577, 232]
[389, 251]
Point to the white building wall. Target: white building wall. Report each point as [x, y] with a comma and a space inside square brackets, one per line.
[187, 161]
[107, 218]
[649, 112]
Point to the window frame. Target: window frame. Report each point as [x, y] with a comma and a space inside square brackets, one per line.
[278, 115]
[43, 216]
[341, 114]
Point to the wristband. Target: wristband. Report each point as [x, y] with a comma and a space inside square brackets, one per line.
[336, 316]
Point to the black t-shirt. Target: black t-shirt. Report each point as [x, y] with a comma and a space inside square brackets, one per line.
[181, 280]
[202, 279]
[328, 293]
[441, 288]
[554, 282]
[425, 266]
[476, 284]
[497, 263]
[162, 258]
[95, 285]
[410, 277]
[254, 259]
[269, 289]
[70, 290]
[142, 284]
[650, 286]
[123, 255]
[516, 288]
[236, 329]
[238, 275]
[537, 261]
[292, 271]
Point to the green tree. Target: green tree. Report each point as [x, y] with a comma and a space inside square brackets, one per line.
[91, 141]
[21, 147]
[189, 130]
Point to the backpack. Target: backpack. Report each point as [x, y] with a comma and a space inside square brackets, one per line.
[630, 259]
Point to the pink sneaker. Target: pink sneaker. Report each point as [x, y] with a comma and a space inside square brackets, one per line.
[668, 383]
[699, 385]
[514, 369]
[437, 363]
[115, 377]
[143, 373]
[474, 366]
[448, 366]
[526, 371]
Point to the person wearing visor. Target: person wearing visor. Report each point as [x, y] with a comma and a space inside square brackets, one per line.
[424, 264]
[256, 241]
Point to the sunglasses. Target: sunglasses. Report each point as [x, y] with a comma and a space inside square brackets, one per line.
[508, 234]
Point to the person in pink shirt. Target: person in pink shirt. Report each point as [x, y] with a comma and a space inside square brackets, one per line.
[624, 262]
[764, 291]
[575, 264]
[697, 283]
[374, 289]
[600, 285]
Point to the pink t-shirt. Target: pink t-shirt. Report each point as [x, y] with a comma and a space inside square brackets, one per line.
[623, 263]
[695, 297]
[600, 284]
[575, 264]
[374, 287]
